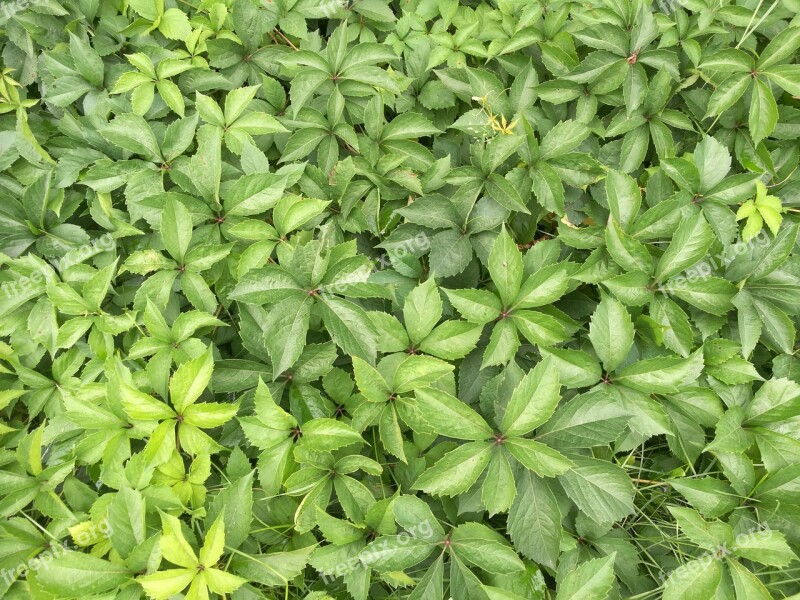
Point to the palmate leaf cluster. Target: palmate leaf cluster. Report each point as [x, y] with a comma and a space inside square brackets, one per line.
[419, 299]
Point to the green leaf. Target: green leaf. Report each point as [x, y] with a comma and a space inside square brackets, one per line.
[776, 400]
[689, 245]
[543, 287]
[456, 471]
[696, 580]
[533, 401]
[77, 575]
[235, 502]
[600, 490]
[209, 110]
[624, 198]
[505, 194]
[780, 47]
[713, 162]
[505, 267]
[476, 306]
[503, 344]
[711, 497]
[206, 164]
[190, 381]
[267, 285]
[498, 496]
[325, 435]
[422, 310]
[575, 369]
[766, 547]
[709, 535]
[126, 520]
[611, 332]
[132, 133]
[534, 521]
[288, 323]
[164, 584]
[171, 95]
[763, 112]
[292, 213]
[142, 98]
[408, 126]
[553, 277]
[591, 580]
[449, 416]
[349, 327]
[274, 569]
[683, 172]
[451, 340]
[539, 458]
[563, 138]
[176, 229]
[661, 375]
[418, 372]
[728, 93]
[626, 251]
[174, 24]
[537, 327]
[395, 553]
[483, 547]
[87, 61]
[729, 60]
[237, 101]
[746, 584]
[451, 253]
[149, 9]
[713, 295]
[787, 77]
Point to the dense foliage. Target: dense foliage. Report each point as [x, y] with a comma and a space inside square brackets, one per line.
[411, 299]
